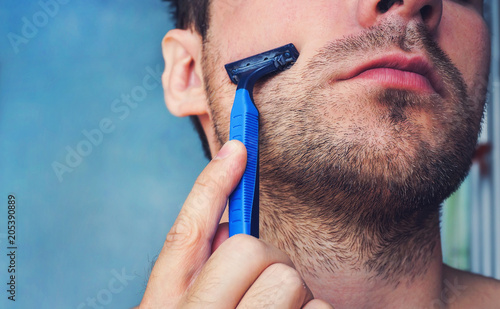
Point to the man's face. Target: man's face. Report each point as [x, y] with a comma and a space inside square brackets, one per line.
[381, 101]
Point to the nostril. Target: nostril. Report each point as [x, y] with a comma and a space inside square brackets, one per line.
[384, 5]
[426, 12]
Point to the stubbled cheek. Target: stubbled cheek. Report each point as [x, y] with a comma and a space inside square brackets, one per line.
[244, 28]
[464, 36]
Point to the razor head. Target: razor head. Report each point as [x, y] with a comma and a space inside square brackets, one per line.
[278, 59]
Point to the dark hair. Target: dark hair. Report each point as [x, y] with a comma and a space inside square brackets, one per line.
[193, 13]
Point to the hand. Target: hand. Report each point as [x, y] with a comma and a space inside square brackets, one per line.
[199, 267]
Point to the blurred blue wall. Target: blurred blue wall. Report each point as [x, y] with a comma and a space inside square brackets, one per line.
[98, 182]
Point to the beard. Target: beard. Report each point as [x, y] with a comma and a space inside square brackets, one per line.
[358, 173]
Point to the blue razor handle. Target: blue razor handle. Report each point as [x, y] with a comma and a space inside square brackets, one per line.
[244, 126]
[244, 201]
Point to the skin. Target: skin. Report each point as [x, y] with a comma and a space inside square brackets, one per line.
[200, 267]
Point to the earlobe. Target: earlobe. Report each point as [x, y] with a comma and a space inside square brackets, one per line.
[182, 78]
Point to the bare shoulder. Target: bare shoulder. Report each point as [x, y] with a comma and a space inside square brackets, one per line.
[468, 290]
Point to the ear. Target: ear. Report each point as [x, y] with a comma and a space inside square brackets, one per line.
[182, 79]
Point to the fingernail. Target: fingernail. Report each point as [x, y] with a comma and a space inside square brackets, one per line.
[225, 151]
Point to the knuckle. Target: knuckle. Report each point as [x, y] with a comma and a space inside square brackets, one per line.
[288, 277]
[183, 234]
[208, 186]
[195, 301]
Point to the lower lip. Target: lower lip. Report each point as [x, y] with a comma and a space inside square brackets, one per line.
[393, 78]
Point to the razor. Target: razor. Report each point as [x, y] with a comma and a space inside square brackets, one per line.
[244, 126]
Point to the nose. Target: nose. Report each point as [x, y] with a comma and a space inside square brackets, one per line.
[427, 12]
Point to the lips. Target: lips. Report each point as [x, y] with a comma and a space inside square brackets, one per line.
[399, 71]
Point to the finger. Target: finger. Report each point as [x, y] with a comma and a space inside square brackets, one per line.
[220, 236]
[231, 270]
[279, 286]
[188, 244]
[318, 304]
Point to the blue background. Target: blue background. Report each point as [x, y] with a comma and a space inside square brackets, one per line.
[111, 213]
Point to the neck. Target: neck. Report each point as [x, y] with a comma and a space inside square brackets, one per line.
[356, 263]
[349, 288]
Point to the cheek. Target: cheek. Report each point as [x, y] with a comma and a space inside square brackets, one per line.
[464, 37]
[243, 28]
[221, 99]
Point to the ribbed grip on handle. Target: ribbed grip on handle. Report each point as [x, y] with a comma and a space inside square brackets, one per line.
[243, 202]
